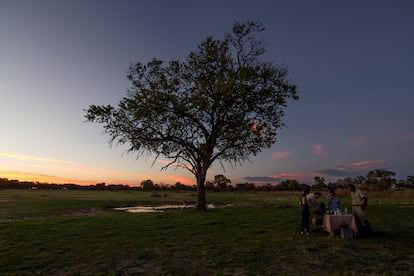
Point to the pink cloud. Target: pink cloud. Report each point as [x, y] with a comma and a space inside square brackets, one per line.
[289, 175]
[280, 155]
[318, 150]
[362, 165]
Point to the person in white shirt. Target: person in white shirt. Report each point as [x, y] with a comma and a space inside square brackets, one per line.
[313, 200]
[359, 206]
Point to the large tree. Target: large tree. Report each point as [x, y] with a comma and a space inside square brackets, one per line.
[222, 103]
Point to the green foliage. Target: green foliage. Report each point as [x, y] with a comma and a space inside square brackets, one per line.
[222, 103]
[221, 182]
[319, 183]
[289, 185]
[381, 179]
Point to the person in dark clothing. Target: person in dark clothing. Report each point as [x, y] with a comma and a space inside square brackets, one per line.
[304, 211]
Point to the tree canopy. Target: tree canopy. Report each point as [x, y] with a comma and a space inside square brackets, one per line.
[222, 103]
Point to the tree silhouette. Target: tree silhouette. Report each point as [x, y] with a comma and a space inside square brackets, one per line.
[222, 103]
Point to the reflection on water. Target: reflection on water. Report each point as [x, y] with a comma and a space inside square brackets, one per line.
[162, 208]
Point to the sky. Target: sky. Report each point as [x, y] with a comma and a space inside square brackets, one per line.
[353, 63]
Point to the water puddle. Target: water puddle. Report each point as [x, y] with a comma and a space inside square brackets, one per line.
[162, 208]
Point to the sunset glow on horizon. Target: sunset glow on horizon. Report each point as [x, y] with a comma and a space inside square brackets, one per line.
[85, 174]
[48, 179]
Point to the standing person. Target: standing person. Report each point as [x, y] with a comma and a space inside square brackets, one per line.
[317, 214]
[333, 200]
[359, 204]
[313, 200]
[304, 211]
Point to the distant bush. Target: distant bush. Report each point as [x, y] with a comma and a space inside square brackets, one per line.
[155, 194]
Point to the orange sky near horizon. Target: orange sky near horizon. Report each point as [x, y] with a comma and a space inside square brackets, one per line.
[49, 179]
[32, 177]
[36, 169]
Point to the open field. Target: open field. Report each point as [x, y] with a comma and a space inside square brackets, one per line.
[78, 233]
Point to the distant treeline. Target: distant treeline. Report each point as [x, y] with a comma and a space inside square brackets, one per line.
[378, 179]
[149, 185]
[16, 184]
[146, 185]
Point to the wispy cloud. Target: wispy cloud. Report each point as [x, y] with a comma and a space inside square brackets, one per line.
[352, 169]
[362, 165]
[280, 155]
[318, 150]
[276, 177]
[26, 157]
[289, 175]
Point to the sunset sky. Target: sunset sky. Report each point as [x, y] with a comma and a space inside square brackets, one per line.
[353, 63]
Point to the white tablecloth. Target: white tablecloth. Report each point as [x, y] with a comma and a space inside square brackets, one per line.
[334, 222]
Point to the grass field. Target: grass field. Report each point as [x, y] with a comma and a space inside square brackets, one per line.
[79, 233]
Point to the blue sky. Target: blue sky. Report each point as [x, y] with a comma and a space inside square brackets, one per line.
[352, 61]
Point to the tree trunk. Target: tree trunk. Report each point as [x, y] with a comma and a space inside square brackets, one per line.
[201, 191]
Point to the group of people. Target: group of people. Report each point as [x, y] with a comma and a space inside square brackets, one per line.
[309, 201]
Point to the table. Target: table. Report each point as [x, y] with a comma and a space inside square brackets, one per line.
[334, 222]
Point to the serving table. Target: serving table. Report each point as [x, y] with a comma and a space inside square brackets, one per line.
[335, 222]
